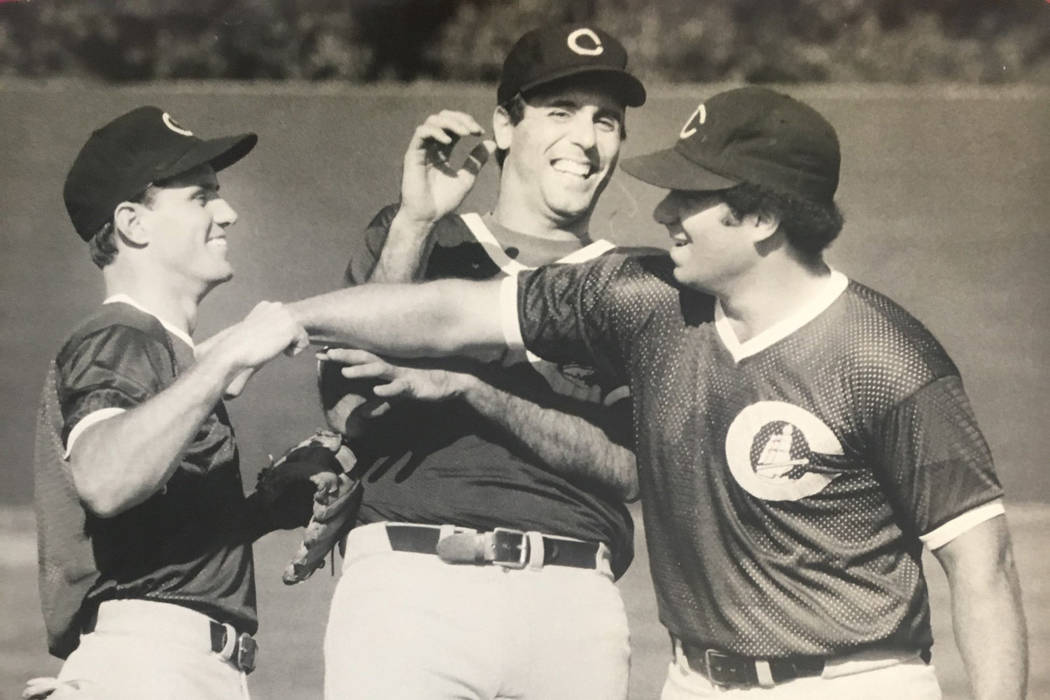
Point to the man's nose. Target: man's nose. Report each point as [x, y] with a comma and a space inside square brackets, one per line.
[583, 130]
[222, 212]
[666, 212]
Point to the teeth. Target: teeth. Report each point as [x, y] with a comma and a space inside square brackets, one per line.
[572, 167]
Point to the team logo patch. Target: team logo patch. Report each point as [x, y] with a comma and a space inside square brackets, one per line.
[694, 122]
[773, 449]
[585, 42]
[174, 125]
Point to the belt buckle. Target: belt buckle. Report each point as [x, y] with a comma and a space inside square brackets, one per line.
[722, 671]
[247, 648]
[505, 541]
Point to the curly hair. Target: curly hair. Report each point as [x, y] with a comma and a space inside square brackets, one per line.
[809, 226]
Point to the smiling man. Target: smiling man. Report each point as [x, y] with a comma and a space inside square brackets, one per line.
[144, 531]
[500, 486]
[801, 437]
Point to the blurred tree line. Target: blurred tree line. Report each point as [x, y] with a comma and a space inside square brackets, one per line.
[909, 41]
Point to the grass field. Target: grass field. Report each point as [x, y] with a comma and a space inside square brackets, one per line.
[293, 618]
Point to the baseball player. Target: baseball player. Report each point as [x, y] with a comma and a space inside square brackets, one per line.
[146, 559]
[801, 437]
[478, 570]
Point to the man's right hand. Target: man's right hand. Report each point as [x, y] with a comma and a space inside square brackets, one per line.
[268, 330]
[431, 186]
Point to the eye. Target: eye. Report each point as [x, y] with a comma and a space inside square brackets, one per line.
[559, 114]
[608, 124]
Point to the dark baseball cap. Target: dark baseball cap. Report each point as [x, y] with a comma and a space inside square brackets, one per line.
[753, 135]
[144, 147]
[552, 53]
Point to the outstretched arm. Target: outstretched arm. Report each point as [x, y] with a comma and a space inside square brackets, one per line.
[987, 615]
[569, 444]
[432, 319]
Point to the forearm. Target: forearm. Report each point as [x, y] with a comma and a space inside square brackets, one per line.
[404, 251]
[987, 613]
[432, 319]
[122, 461]
[566, 443]
[991, 634]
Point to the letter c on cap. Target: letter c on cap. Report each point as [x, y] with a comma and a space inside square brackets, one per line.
[574, 42]
[689, 128]
[174, 125]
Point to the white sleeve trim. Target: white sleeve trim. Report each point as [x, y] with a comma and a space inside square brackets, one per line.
[85, 423]
[961, 523]
[508, 303]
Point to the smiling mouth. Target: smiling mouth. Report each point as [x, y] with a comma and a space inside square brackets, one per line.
[573, 167]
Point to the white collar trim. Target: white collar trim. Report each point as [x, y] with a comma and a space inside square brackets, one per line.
[833, 288]
[511, 266]
[171, 328]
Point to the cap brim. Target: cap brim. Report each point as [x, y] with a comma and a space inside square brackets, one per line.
[218, 153]
[673, 171]
[630, 87]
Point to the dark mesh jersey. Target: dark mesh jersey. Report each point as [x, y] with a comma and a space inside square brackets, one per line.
[184, 544]
[440, 463]
[786, 481]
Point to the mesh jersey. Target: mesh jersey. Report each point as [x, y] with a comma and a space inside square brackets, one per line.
[184, 544]
[785, 483]
[442, 463]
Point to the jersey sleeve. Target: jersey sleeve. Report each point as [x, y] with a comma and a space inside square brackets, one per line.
[109, 371]
[937, 463]
[567, 313]
[365, 255]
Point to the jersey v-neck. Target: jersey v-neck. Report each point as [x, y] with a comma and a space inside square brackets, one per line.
[531, 251]
[834, 286]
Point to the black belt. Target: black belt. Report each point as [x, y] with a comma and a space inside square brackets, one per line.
[501, 547]
[732, 670]
[239, 649]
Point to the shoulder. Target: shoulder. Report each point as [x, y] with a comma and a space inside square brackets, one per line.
[882, 338]
[642, 268]
[112, 331]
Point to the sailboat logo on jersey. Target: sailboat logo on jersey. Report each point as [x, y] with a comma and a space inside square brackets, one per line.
[777, 451]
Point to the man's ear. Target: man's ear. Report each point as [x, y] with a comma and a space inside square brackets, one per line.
[502, 129]
[761, 226]
[127, 219]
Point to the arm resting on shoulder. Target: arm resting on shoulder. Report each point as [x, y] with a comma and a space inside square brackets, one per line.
[987, 615]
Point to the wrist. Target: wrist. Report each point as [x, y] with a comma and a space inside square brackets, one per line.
[413, 223]
[471, 390]
[221, 362]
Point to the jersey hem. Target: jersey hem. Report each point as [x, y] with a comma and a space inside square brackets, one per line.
[86, 422]
[962, 523]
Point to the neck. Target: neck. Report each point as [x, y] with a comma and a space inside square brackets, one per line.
[520, 216]
[176, 306]
[769, 293]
